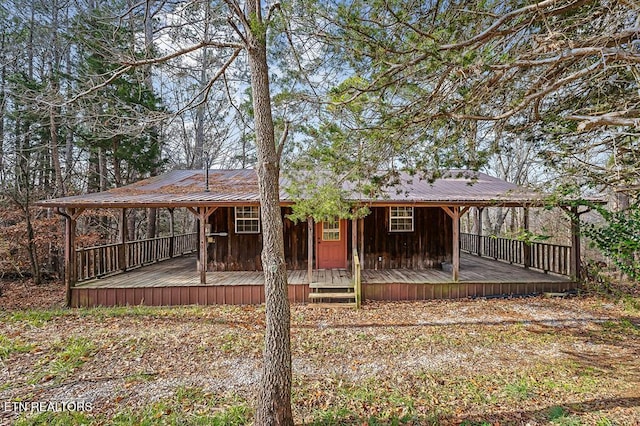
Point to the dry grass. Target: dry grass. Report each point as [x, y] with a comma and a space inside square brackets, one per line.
[524, 361]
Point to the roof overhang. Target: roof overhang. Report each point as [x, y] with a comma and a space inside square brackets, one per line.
[228, 188]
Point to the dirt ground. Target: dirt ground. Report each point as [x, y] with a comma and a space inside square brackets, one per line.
[525, 361]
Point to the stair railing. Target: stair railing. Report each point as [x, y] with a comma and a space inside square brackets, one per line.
[357, 278]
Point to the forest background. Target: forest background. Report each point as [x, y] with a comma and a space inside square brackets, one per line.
[96, 95]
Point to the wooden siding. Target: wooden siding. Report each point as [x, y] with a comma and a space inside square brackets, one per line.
[429, 244]
[241, 252]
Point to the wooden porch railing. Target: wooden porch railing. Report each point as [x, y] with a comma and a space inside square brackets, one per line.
[98, 261]
[554, 258]
[357, 278]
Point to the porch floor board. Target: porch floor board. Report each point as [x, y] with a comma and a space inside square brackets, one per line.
[473, 269]
[181, 272]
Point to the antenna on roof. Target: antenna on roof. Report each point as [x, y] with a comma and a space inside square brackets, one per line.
[207, 161]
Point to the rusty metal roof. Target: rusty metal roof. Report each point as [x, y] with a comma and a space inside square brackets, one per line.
[182, 188]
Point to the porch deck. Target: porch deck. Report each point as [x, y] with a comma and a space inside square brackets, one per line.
[176, 282]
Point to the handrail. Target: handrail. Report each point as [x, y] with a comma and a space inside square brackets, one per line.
[78, 249]
[97, 261]
[357, 278]
[546, 257]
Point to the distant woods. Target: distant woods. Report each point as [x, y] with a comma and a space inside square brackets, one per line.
[96, 95]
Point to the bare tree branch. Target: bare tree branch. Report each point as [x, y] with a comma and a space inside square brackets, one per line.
[184, 51]
[281, 142]
[207, 88]
[529, 98]
[589, 122]
[116, 74]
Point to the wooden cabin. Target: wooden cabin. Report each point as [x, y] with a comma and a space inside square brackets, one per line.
[413, 225]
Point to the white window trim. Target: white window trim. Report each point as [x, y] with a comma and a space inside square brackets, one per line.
[402, 217]
[245, 219]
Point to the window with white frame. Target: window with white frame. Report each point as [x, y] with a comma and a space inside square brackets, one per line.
[401, 219]
[247, 220]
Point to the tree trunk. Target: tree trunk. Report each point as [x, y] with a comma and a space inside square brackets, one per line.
[55, 155]
[3, 73]
[31, 247]
[274, 399]
[131, 225]
[54, 112]
[198, 149]
[102, 170]
[152, 218]
[152, 213]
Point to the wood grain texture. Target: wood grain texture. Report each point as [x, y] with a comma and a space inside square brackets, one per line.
[426, 247]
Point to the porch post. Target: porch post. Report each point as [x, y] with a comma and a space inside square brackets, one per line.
[456, 242]
[70, 272]
[202, 217]
[172, 232]
[310, 250]
[205, 213]
[361, 238]
[575, 264]
[122, 240]
[526, 248]
[354, 234]
[479, 211]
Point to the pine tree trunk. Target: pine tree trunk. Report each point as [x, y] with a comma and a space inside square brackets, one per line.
[55, 155]
[152, 213]
[152, 218]
[32, 248]
[3, 73]
[274, 399]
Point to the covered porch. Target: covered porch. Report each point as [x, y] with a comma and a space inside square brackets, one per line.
[410, 246]
[177, 282]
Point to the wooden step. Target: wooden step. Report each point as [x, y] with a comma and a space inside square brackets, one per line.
[332, 295]
[330, 285]
[333, 305]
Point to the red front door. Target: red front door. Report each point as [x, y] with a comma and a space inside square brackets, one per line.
[331, 244]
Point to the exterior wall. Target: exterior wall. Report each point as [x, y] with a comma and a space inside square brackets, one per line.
[429, 244]
[426, 247]
[241, 252]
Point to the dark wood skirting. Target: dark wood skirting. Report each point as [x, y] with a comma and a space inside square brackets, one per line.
[254, 294]
[179, 295]
[431, 291]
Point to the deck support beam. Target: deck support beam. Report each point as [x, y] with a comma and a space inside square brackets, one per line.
[203, 214]
[455, 213]
[122, 240]
[456, 244]
[172, 231]
[70, 272]
[361, 241]
[354, 234]
[575, 265]
[479, 213]
[310, 249]
[526, 248]
[575, 262]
